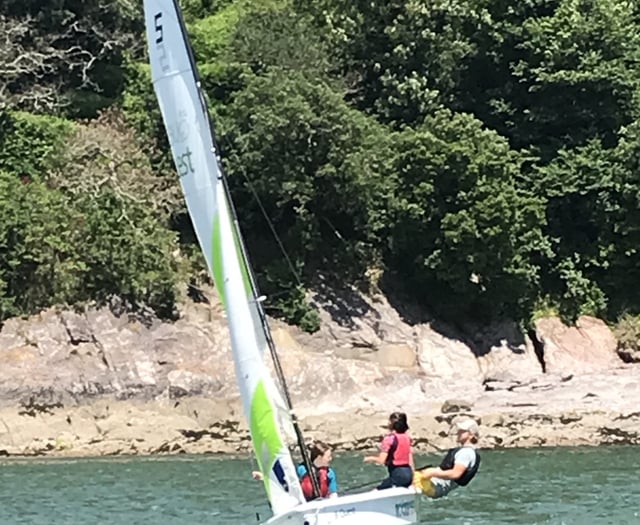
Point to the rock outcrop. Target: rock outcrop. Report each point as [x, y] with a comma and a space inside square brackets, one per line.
[589, 346]
[93, 382]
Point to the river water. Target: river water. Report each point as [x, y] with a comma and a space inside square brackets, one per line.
[538, 486]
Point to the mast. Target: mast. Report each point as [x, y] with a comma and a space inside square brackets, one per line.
[243, 251]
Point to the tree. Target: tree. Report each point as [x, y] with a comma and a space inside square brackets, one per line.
[37, 263]
[299, 147]
[624, 272]
[404, 60]
[553, 74]
[82, 217]
[105, 153]
[65, 54]
[579, 185]
[593, 195]
[465, 237]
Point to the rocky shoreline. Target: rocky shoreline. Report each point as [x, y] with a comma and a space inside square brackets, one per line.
[196, 425]
[95, 383]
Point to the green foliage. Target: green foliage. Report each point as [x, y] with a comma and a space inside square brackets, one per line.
[592, 202]
[581, 65]
[544, 73]
[486, 154]
[127, 255]
[271, 35]
[221, 81]
[86, 104]
[246, 39]
[106, 153]
[196, 9]
[623, 274]
[139, 107]
[302, 151]
[93, 250]
[38, 256]
[543, 307]
[464, 235]
[32, 145]
[294, 141]
[246, 30]
[548, 74]
[138, 102]
[293, 306]
[212, 35]
[404, 59]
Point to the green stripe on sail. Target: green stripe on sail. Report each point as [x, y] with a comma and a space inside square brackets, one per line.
[264, 431]
[216, 257]
[218, 270]
[243, 267]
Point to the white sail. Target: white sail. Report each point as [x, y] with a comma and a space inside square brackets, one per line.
[186, 120]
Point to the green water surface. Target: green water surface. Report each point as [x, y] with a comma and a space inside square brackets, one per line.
[542, 486]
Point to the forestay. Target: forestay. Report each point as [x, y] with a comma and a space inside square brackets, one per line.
[186, 120]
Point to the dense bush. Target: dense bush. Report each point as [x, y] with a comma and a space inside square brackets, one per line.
[32, 145]
[61, 249]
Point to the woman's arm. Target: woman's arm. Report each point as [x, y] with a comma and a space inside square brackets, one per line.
[385, 446]
[380, 459]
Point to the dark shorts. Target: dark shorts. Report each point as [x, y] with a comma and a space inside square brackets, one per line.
[398, 477]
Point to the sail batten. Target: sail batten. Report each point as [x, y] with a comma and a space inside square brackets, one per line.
[186, 120]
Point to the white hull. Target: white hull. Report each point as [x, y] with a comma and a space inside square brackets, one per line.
[396, 506]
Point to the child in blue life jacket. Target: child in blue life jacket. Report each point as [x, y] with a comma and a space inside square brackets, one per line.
[320, 455]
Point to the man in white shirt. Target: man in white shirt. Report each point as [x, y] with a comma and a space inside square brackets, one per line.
[457, 468]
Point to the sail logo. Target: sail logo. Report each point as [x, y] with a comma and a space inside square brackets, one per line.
[163, 58]
[178, 131]
[184, 164]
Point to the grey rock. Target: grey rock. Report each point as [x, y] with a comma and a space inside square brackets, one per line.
[455, 405]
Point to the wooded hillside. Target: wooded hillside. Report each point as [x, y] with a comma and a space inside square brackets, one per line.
[481, 157]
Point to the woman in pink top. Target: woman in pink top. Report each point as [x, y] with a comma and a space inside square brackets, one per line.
[395, 453]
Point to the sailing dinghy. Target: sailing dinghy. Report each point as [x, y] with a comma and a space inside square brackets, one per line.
[266, 403]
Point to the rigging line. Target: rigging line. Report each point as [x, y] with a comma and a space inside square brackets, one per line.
[252, 279]
[267, 332]
[272, 228]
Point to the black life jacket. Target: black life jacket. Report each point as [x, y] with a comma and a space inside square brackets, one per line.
[322, 477]
[467, 476]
